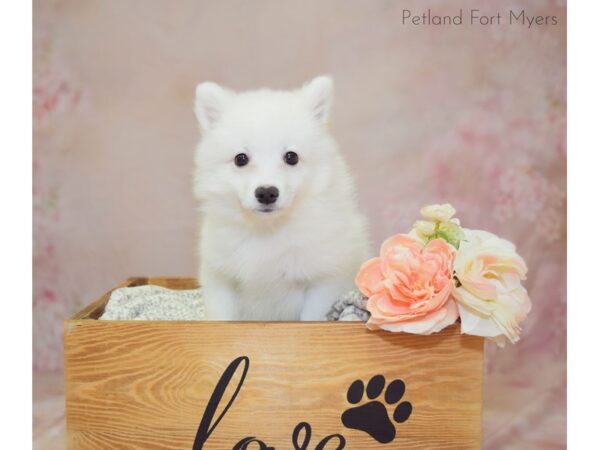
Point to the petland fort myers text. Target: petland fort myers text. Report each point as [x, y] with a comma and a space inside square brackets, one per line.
[477, 17]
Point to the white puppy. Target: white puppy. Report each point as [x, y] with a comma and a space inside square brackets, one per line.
[281, 234]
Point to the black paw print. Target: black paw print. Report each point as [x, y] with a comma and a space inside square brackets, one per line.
[373, 417]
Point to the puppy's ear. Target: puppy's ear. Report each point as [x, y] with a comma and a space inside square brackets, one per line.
[319, 94]
[211, 100]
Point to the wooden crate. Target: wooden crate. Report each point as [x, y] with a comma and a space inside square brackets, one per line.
[284, 385]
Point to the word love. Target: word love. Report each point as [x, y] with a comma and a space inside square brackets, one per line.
[244, 443]
[206, 427]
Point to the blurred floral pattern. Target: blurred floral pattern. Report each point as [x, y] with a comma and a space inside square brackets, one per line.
[471, 115]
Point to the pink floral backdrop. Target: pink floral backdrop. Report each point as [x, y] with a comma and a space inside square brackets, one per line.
[471, 115]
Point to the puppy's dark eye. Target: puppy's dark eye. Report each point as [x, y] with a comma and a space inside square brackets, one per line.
[241, 159]
[291, 158]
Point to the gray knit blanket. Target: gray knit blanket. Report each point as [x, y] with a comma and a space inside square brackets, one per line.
[158, 303]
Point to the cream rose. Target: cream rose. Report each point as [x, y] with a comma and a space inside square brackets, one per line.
[491, 300]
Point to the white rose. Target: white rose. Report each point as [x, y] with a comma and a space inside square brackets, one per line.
[491, 300]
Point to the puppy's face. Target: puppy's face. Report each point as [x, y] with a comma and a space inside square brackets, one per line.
[262, 152]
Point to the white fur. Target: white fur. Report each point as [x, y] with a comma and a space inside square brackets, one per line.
[292, 263]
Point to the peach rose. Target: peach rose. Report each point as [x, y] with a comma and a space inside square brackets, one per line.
[409, 286]
[491, 300]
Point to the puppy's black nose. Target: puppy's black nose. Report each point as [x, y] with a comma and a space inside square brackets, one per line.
[266, 194]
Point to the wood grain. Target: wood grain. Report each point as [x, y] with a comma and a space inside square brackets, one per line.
[145, 385]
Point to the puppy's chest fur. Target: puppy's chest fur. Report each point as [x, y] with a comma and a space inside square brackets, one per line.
[294, 255]
[274, 271]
